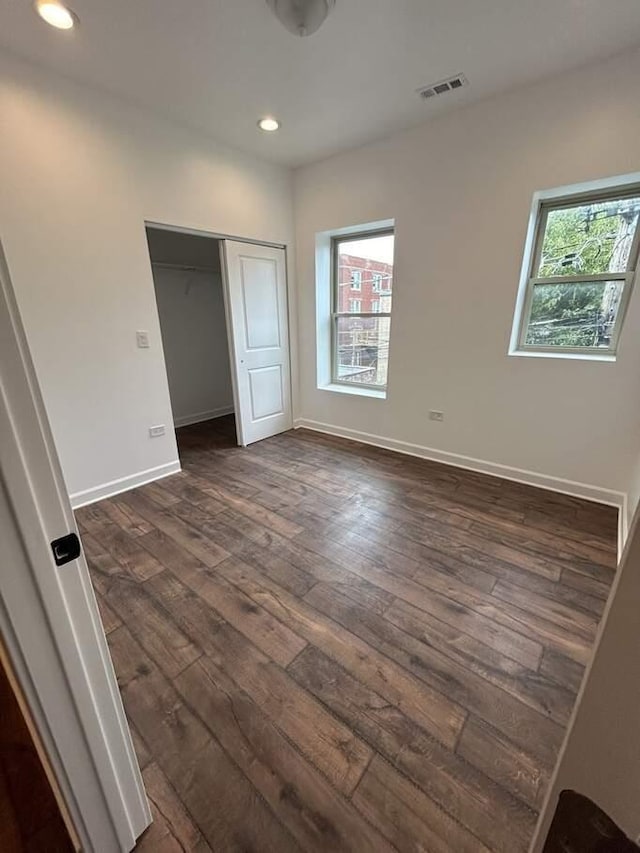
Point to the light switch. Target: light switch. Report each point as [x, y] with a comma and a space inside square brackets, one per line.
[142, 340]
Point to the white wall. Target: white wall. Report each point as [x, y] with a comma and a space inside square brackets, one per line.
[601, 754]
[460, 189]
[633, 491]
[192, 320]
[80, 173]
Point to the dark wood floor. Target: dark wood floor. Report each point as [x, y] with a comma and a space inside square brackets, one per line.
[323, 646]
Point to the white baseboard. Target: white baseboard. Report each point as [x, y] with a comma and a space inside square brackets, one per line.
[187, 420]
[493, 469]
[115, 487]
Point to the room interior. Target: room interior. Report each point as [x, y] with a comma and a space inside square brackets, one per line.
[340, 365]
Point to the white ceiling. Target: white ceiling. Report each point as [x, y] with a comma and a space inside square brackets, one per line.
[218, 65]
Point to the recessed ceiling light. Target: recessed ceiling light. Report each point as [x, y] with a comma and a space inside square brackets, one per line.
[269, 124]
[56, 14]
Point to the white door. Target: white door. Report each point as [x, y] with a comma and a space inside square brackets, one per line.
[256, 301]
[49, 620]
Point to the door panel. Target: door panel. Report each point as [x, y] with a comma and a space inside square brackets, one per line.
[256, 300]
[267, 397]
[261, 309]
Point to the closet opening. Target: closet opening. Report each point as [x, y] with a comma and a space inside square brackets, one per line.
[189, 289]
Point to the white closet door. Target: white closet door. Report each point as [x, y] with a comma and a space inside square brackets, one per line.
[256, 298]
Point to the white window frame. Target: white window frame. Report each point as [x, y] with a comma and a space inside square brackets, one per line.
[335, 314]
[375, 306]
[543, 203]
[352, 306]
[356, 280]
[376, 279]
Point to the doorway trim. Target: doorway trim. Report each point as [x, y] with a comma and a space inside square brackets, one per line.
[291, 315]
[199, 232]
[49, 619]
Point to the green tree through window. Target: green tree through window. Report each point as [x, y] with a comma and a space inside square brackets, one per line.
[580, 271]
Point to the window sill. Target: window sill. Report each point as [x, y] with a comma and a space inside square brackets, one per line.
[571, 356]
[376, 393]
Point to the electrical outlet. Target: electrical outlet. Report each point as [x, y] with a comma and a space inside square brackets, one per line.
[434, 415]
[155, 431]
[142, 340]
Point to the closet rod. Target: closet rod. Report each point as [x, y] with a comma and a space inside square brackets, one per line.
[184, 267]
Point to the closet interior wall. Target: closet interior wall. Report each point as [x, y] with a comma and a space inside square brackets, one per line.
[189, 293]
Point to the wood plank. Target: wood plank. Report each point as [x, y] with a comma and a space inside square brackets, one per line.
[457, 787]
[190, 613]
[524, 632]
[184, 490]
[316, 815]
[126, 518]
[332, 484]
[275, 639]
[126, 551]
[232, 605]
[571, 596]
[417, 506]
[141, 749]
[158, 494]
[173, 828]
[530, 688]
[269, 634]
[227, 809]
[188, 537]
[326, 742]
[153, 628]
[110, 620]
[543, 519]
[275, 522]
[423, 560]
[91, 518]
[269, 561]
[207, 477]
[408, 818]
[105, 571]
[562, 670]
[542, 542]
[588, 584]
[571, 620]
[528, 724]
[484, 579]
[504, 762]
[242, 536]
[467, 546]
[442, 599]
[425, 706]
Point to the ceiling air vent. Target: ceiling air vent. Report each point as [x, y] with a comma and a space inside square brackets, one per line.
[442, 86]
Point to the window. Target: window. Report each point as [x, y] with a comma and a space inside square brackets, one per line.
[360, 340]
[580, 274]
[376, 280]
[356, 279]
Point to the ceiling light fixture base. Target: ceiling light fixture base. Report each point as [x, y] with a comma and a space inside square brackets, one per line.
[301, 17]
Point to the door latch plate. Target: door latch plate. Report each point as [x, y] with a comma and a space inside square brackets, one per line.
[65, 549]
